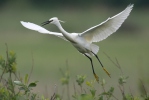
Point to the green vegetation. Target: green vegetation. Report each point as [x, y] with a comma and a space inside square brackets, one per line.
[9, 84]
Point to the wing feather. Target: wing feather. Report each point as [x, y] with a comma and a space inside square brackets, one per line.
[40, 29]
[103, 30]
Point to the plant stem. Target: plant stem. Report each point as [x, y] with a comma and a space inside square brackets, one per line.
[31, 68]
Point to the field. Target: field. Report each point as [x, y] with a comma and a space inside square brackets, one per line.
[130, 45]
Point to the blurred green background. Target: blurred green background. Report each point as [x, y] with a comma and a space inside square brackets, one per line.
[130, 44]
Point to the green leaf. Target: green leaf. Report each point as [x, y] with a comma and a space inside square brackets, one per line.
[100, 98]
[64, 81]
[93, 91]
[12, 53]
[122, 80]
[111, 90]
[26, 79]
[18, 83]
[13, 67]
[2, 62]
[80, 79]
[32, 85]
[21, 88]
[90, 83]
[83, 95]
[12, 57]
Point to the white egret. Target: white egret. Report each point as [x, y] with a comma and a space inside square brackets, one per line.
[83, 41]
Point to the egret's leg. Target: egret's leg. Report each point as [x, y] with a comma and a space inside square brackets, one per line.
[102, 65]
[96, 77]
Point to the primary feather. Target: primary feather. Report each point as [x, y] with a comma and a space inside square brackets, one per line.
[103, 30]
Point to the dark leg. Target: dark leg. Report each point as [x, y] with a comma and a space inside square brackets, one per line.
[101, 64]
[97, 78]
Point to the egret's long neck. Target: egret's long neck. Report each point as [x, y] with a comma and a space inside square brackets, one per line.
[66, 34]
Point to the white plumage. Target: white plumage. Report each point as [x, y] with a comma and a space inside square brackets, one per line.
[103, 30]
[83, 41]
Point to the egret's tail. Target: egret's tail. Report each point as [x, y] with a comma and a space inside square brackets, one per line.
[94, 48]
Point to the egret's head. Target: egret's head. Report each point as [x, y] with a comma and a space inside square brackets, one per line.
[53, 20]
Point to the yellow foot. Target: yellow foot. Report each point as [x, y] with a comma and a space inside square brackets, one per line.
[96, 77]
[107, 72]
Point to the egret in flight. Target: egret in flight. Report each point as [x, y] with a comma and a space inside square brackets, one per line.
[83, 41]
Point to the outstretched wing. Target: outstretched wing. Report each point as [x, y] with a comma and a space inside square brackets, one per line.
[103, 30]
[40, 29]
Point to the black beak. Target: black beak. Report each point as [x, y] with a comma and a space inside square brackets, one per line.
[46, 22]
